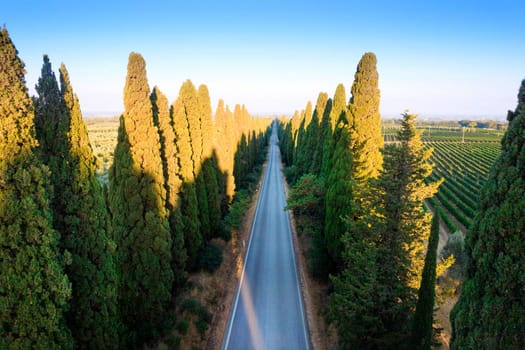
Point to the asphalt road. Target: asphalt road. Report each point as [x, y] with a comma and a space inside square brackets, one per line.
[267, 312]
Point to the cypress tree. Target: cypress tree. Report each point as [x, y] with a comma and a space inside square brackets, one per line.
[337, 113]
[339, 195]
[365, 120]
[34, 290]
[421, 338]
[173, 183]
[224, 144]
[140, 219]
[92, 316]
[316, 131]
[490, 313]
[209, 166]
[355, 306]
[302, 158]
[184, 108]
[405, 227]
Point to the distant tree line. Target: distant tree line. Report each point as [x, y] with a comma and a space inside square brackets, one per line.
[87, 267]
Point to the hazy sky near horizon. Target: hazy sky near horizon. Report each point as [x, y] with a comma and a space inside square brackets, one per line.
[448, 57]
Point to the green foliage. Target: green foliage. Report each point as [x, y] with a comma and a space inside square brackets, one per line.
[137, 201]
[209, 257]
[172, 182]
[182, 326]
[237, 209]
[421, 337]
[356, 302]
[34, 290]
[337, 114]
[306, 199]
[185, 112]
[339, 195]
[365, 120]
[490, 313]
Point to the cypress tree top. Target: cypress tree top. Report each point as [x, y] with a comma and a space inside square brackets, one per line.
[366, 120]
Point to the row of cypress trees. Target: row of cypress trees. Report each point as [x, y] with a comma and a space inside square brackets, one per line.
[81, 269]
[370, 233]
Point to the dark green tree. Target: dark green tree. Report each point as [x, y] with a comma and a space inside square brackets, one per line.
[355, 306]
[210, 169]
[337, 114]
[421, 338]
[490, 313]
[173, 183]
[315, 133]
[93, 316]
[137, 199]
[34, 290]
[339, 196]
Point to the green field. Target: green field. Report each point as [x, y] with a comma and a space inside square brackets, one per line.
[463, 157]
[103, 137]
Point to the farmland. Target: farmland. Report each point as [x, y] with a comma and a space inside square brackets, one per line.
[463, 157]
[103, 137]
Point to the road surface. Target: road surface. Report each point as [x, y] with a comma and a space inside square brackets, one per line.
[267, 311]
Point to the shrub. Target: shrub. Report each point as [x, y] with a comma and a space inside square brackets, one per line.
[209, 257]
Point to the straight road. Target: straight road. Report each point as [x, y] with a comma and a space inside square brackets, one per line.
[268, 310]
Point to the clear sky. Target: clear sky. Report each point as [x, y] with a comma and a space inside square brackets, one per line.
[435, 57]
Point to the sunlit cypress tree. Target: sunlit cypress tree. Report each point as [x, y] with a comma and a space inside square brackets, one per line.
[173, 183]
[365, 120]
[490, 313]
[406, 226]
[183, 110]
[137, 199]
[34, 290]
[224, 144]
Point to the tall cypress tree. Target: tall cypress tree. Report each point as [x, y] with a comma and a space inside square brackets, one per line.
[315, 133]
[365, 120]
[34, 290]
[337, 113]
[173, 183]
[209, 165]
[339, 195]
[405, 227]
[92, 316]
[140, 219]
[490, 313]
[225, 146]
[421, 338]
[183, 110]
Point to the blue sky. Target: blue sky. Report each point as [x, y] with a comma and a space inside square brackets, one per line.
[448, 57]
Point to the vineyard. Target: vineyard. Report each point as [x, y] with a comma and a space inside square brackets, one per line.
[463, 157]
